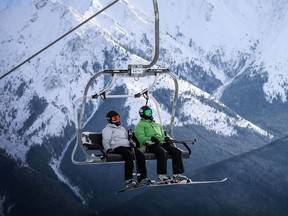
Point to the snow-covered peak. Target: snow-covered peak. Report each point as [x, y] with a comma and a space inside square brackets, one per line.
[192, 33]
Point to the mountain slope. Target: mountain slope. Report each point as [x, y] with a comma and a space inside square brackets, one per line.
[256, 185]
[249, 101]
[25, 191]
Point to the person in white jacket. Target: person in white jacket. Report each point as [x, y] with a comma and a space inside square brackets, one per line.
[115, 140]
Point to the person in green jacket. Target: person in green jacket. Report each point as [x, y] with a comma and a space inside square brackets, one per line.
[152, 139]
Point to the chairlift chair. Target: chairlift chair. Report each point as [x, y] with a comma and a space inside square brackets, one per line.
[90, 143]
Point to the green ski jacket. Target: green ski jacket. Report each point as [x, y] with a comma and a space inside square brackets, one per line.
[145, 129]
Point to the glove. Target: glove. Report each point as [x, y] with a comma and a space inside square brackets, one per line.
[109, 151]
[168, 140]
[155, 140]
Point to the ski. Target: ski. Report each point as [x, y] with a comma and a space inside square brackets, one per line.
[136, 186]
[125, 189]
[187, 183]
[168, 183]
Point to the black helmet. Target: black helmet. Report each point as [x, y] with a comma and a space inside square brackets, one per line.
[111, 114]
[145, 112]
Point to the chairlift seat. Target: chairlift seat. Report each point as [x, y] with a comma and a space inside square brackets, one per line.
[92, 141]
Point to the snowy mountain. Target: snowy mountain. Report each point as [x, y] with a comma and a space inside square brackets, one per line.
[229, 58]
[69, 64]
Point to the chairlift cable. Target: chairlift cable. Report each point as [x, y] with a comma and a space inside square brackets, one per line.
[60, 38]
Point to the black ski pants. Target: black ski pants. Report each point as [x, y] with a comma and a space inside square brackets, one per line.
[127, 154]
[161, 152]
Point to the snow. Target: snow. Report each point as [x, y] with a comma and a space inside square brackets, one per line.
[58, 75]
[4, 4]
[212, 119]
[203, 19]
[274, 53]
[55, 165]
[242, 23]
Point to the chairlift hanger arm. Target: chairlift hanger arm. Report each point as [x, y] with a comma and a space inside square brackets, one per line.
[156, 54]
[133, 71]
[141, 72]
[176, 92]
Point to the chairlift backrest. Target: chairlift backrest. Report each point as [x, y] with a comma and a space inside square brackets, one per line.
[92, 141]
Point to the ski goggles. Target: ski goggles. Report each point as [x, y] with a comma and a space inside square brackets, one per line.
[148, 112]
[115, 118]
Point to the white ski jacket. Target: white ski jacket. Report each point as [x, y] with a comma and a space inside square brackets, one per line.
[114, 136]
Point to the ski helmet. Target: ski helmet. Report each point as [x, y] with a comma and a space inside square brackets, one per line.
[113, 116]
[145, 112]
